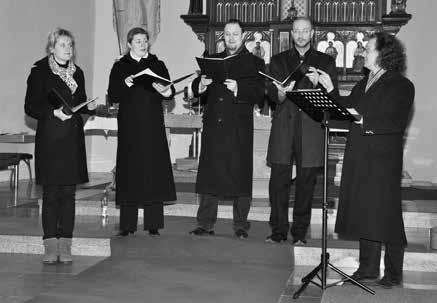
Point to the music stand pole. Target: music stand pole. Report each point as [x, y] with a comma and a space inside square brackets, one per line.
[324, 264]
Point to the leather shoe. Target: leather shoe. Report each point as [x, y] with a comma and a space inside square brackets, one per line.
[199, 231]
[388, 283]
[124, 233]
[242, 234]
[302, 241]
[276, 238]
[361, 277]
[154, 232]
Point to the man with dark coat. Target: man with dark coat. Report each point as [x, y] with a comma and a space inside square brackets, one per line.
[294, 136]
[226, 158]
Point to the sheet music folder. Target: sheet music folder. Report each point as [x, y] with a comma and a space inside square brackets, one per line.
[314, 102]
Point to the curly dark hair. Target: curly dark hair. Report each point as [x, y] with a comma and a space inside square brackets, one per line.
[391, 52]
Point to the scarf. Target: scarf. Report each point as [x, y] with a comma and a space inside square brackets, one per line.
[66, 74]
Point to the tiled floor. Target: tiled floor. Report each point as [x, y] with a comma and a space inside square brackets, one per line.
[173, 268]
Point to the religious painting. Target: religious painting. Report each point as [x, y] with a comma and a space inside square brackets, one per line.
[284, 41]
[259, 44]
[332, 47]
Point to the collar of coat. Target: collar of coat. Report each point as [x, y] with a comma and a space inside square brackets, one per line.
[128, 59]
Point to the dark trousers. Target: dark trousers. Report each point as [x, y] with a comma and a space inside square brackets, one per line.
[153, 216]
[279, 194]
[207, 212]
[58, 211]
[370, 256]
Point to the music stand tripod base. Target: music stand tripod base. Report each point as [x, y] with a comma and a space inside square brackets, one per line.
[321, 108]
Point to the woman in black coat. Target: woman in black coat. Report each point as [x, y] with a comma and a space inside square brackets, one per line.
[370, 193]
[144, 175]
[60, 156]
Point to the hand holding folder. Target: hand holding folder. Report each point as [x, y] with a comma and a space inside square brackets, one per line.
[66, 107]
[153, 77]
[296, 75]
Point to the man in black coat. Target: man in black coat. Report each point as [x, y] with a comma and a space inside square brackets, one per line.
[294, 136]
[226, 157]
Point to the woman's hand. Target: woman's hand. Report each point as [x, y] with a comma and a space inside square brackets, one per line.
[92, 105]
[325, 80]
[129, 81]
[58, 113]
[165, 91]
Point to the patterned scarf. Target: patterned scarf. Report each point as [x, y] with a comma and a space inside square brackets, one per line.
[66, 74]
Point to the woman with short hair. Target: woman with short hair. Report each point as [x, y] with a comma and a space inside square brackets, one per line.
[144, 176]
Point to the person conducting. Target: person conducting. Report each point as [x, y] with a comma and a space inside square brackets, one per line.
[370, 192]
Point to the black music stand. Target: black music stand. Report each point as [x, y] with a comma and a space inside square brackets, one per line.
[321, 108]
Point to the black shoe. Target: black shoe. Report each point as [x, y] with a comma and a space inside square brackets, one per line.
[242, 234]
[124, 233]
[365, 278]
[388, 283]
[276, 238]
[154, 233]
[199, 231]
[301, 241]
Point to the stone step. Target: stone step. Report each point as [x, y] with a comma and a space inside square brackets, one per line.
[413, 215]
[94, 237]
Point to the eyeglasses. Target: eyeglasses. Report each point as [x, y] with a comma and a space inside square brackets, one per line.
[304, 31]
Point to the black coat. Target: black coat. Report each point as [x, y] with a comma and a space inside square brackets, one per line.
[144, 172]
[226, 157]
[288, 120]
[60, 156]
[370, 192]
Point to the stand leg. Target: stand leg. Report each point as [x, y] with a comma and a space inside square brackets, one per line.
[324, 264]
[349, 278]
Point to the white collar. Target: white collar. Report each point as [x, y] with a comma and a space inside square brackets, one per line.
[136, 58]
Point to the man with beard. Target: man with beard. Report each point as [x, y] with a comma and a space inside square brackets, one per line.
[294, 136]
[226, 157]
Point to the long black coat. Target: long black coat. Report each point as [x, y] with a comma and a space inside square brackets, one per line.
[144, 174]
[370, 193]
[288, 121]
[60, 156]
[226, 157]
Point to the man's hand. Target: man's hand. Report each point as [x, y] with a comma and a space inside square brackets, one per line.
[58, 113]
[282, 91]
[203, 84]
[165, 91]
[129, 81]
[232, 85]
[325, 80]
[313, 75]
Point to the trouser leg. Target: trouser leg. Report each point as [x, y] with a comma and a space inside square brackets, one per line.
[241, 209]
[128, 217]
[67, 210]
[394, 261]
[154, 216]
[279, 196]
[305, 184]
[370, 256]
[50, 212]
[207, 211]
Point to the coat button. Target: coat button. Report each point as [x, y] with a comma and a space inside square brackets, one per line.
[219, 120]
[220, 99]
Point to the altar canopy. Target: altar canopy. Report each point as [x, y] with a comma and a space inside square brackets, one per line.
[135, 13]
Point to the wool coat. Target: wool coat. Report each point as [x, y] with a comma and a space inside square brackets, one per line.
[143, 173]
[226, 156]
[288, 120]
[370, 190]
[60, 156]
